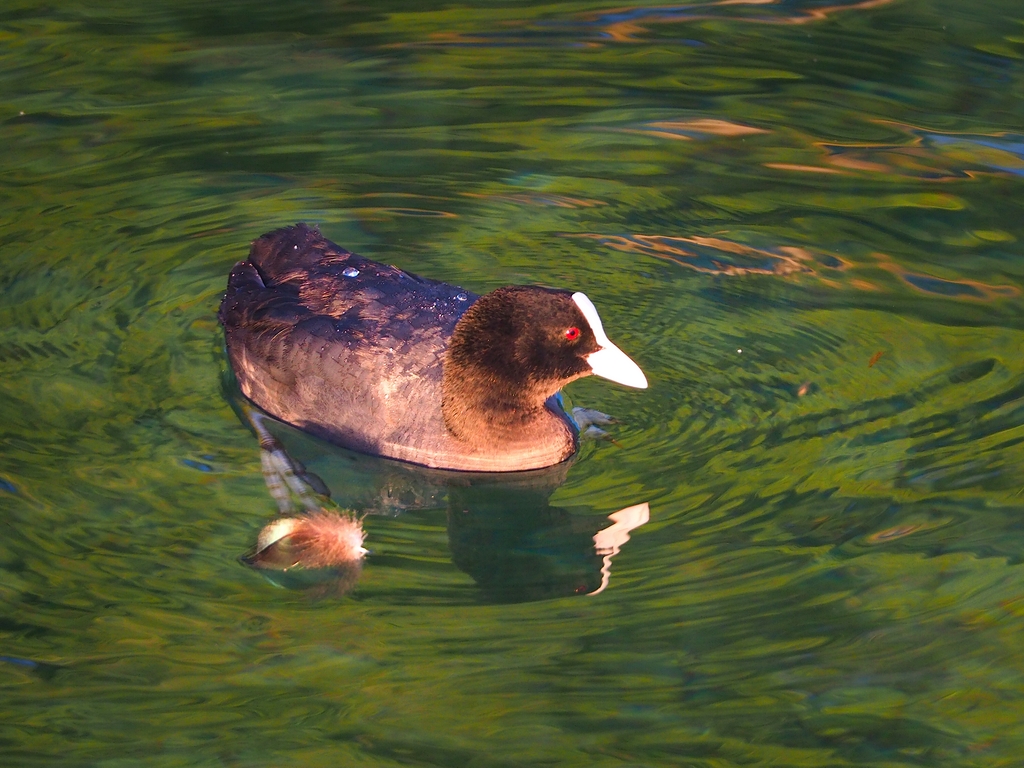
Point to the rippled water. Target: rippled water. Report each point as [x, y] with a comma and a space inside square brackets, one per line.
[803, 219]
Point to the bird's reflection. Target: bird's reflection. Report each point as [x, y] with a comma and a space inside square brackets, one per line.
[502, 530]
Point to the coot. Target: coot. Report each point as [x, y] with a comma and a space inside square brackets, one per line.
[389, 363]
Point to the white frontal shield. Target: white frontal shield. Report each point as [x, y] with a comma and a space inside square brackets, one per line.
[609, 362]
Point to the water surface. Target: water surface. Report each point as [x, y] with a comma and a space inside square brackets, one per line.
[803, 219]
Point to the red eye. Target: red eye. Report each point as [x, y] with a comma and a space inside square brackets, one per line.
[572, 333]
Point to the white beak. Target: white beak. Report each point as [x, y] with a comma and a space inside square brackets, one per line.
[609, 361]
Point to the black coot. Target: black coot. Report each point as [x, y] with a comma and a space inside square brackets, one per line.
[385, 362]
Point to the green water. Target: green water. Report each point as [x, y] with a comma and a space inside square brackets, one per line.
[803, 219]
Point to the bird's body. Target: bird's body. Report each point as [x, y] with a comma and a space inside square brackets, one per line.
[362, 354]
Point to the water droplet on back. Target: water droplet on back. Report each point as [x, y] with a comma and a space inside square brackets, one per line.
[350, 272]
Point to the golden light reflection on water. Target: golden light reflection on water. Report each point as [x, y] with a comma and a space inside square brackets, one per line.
[689, 129]
[633, 29]
[538, 199]
[717, 256]
[625, 24]
[970, 290]
[927, 155]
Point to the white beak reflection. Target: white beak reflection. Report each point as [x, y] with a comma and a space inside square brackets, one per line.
[609, 541]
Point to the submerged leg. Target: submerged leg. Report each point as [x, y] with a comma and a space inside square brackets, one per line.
[587, 419]
[280, 473]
